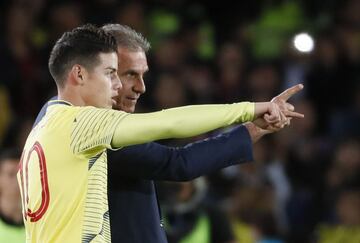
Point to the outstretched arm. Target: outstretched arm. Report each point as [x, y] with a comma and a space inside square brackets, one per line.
[188, 121]
[179, 122]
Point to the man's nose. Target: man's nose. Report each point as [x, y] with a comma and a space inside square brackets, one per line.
[117, 83]
[140, 86]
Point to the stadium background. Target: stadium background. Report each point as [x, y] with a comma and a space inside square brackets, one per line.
[304, 185]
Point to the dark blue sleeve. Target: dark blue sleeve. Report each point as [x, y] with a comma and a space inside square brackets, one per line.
[157, 162]
[42, 112]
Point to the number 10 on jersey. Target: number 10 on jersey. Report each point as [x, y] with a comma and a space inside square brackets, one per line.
[28, 159]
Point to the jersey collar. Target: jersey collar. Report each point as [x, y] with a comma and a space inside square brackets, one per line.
[59, 102]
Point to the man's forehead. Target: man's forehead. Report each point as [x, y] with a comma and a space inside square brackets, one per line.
[133, 60]
[135, 54]
[109, 59]
[108, 56]
[123, 49]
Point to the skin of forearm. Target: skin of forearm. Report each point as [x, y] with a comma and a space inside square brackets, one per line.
[260, 109]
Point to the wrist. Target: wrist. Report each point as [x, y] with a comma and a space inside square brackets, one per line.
[255, 132]
[260, 109]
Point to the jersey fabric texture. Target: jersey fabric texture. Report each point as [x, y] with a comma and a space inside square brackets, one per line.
[65, 156]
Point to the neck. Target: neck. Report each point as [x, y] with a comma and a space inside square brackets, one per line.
[70, 96]
[10, 207]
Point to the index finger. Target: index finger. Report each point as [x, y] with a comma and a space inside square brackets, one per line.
[290, 92]
[293, 114]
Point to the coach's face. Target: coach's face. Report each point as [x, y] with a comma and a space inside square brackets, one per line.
[102, 82]
[132, 67]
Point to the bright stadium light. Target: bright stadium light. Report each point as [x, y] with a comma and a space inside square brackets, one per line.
[303, 42]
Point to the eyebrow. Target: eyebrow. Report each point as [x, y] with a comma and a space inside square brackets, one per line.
[133, 71]
[111, 69]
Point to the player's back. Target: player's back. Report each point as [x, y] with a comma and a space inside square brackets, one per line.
[63, 176]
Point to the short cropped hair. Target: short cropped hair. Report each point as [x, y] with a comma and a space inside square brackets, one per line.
[127, 37]
[82, 46]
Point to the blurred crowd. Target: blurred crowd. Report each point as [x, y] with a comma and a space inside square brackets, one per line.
[304, 185]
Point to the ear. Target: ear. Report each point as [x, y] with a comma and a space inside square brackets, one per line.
[78, 74]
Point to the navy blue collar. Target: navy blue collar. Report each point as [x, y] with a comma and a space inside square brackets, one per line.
[58, 102]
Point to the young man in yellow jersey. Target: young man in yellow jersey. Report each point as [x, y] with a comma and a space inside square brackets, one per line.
[63, 171]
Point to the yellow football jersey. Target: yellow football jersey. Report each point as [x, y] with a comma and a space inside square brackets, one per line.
[63, 175]
[63, 169]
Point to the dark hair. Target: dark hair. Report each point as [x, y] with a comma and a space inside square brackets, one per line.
[82, 46]
[127, 37]
[10, 153]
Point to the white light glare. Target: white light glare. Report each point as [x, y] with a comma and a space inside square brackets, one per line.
[303, 42]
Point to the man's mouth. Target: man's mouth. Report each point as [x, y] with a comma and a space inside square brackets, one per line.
[132, 99]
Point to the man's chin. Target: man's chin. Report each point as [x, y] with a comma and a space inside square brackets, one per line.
[128, 109]
[124, 104]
